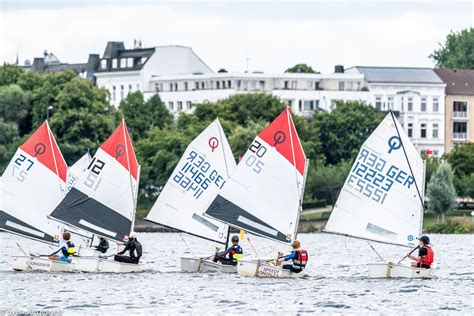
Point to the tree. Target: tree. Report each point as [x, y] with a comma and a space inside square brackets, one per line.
[8, 142]
[342, 131]
[15, 107]
[441, 190]
[457, 51]
[9, 74]
[82, 119]
[461, 159]
[301, 68]
[141, 116]
[242, 137]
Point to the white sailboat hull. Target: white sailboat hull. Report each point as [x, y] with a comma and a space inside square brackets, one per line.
[392, 270]
[260, 268]
[44, 264]
[199, 264]
[110, 266]
[20, 263]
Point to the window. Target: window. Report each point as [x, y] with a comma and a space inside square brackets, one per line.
[423, 104]
[202, 85]
[189, 105]
[121, 92]
[308, 105]
[123, 63]
[171, 87]
[253, 85]
[341, 85]
[390, 103]
[459, 130]
[286, 84]
[410, 104]
[239, 83]
[410, 130]
[435, 105]
[180, 106]
[310, 85]
[103, 64]
[176, 86]
[316, 86]
[130, 62]
[378, 103]
[435, 131]
[171, 106]
[348, 85]
[402, 101]
[114, 63]
[423, 130]
[357, 86]
[129, 89]
[300, 105]
[460, 109]
[196, 85]
[185, 86]
[261, 85]
[294, 85]
[229, 84]
[113, 93]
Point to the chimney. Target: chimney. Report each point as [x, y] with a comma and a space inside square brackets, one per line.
[339, 69]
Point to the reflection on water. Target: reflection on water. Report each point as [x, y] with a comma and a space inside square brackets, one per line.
[337, 281]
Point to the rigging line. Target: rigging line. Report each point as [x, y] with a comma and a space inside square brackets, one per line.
[406, 157]
[376, 252]
[130, 175]
[187, 245]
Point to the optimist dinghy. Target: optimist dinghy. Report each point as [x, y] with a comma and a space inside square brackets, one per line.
[103, 199]
[200, 173]
[263, 195]
[382, 198]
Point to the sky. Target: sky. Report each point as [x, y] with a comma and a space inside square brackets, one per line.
[267, 36]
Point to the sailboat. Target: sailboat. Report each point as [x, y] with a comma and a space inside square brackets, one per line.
[33, 183]
[103, 199]
[264, 193]
[77, 169]
[197, 178]
[382, 197]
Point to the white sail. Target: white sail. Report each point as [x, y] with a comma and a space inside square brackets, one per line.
[103, 199]
[263, 194]
[199, 175]
[77, 169]
[381, 198]
[33, 184]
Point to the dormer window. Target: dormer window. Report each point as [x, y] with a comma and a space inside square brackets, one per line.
[114, 63]
[103, 64]
[130, 62]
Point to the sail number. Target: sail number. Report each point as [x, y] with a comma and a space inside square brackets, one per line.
[19, 171]
[373, 177]
[253, 160]
[93, 180]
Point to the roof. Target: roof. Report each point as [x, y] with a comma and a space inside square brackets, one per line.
[399, 75]
[458, 81]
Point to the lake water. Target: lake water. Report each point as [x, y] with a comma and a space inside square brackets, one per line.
[337, 282]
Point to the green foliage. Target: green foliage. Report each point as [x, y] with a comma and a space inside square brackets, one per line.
[456, 225]
[141, 116]
[325, 181]
[82, 119]
[457, 51]
[9, 74]
[301, 68]
[432, 163]
[8, 139]
[242, 137]
[441, 189]
[461, 159]
[342, 131]
[15, 107]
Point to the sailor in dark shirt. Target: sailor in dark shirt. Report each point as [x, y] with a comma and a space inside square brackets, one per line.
[103, 245]
[133, 247]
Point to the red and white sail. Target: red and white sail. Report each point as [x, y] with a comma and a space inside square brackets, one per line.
[103, 199]
[33, 184]
[199, 175]
[263, 194]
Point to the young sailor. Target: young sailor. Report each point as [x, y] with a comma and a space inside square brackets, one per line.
[103, 245]
[425, 254]
[298, 256]
[66, 247]
[135, 250]
[234, 253]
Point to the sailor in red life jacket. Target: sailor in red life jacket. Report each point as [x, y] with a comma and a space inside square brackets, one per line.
[298, 256]
[425, 254]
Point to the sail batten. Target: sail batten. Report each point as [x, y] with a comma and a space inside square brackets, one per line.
[380, 199]
[197, 178]
[262, 195]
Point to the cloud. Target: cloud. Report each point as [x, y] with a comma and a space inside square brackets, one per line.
[224, 37]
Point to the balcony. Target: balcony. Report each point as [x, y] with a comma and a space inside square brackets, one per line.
[460, 115]
[460, 136]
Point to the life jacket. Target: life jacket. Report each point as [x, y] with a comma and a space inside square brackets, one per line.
[236, 253]
[137, 252]
[301, 259]
[428, 258]
[70, 250]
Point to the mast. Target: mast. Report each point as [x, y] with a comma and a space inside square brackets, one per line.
[423, 183]
[228, 175]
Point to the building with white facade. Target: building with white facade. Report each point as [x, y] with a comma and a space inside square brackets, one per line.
[417, 94]
[182, 79]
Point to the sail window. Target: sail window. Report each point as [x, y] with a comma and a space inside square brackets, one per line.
[24, 229]
[256, 225]
[374, 229]
[205, 222]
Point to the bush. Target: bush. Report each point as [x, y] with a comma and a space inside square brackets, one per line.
[312, 229]
[455, 225]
